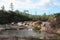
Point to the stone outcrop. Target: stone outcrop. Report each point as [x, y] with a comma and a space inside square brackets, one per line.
[37, 24]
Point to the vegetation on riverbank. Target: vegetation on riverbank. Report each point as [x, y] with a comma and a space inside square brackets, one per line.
[36, 29]
[16, 16]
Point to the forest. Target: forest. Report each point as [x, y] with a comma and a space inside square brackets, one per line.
[17, 16]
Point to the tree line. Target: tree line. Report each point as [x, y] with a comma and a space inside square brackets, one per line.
[17, 16]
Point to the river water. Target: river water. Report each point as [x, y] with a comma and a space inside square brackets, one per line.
[27, 32]
[21, 33]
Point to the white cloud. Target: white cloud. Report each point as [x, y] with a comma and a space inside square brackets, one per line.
[43, 2]
[24, 4]
[56, 3]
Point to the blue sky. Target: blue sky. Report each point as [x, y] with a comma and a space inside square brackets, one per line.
[38, 6]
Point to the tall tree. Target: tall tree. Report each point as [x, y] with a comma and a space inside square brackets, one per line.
[26, 11]
[3, 8]
[11, 6]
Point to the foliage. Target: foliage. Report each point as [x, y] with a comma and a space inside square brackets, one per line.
[57, 18]
[11, 16]
[36, 29]
[44, 17]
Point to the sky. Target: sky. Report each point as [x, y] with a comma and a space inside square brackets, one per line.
[35, 7]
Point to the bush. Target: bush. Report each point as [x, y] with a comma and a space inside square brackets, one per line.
[36, 29]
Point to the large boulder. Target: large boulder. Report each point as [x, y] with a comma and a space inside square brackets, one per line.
[37, 24]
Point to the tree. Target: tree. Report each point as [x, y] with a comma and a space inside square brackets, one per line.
[57, 18]
[11, 6]
[51, 17]
[26, 11]
[3, 7]
[44, 17]
[17, 11]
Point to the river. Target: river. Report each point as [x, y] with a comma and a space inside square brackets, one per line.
[27, 32]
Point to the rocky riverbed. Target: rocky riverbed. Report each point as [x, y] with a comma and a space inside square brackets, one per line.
[46, 31]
